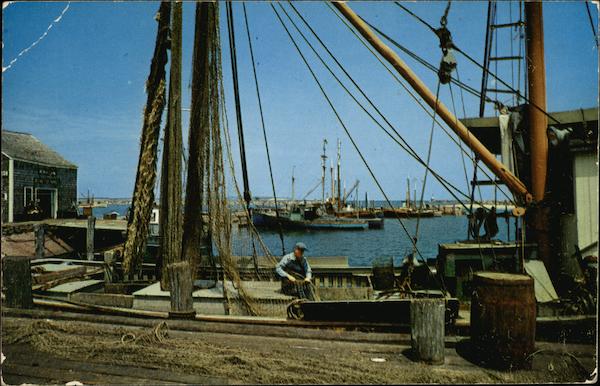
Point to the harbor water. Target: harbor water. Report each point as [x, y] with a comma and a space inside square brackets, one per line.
[363, 246]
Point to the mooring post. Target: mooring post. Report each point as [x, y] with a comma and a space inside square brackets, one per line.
[109, 259]
[180, 281]
[16, 275]
[39, 231]
[91, 223]
[427, 329]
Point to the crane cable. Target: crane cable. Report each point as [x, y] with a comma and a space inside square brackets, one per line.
[262, 120]
[442, 286]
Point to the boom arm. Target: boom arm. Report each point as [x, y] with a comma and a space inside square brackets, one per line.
[513, 183]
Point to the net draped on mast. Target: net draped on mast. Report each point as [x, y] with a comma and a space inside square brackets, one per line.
[214, 233]
[143, 194]
[211, 176]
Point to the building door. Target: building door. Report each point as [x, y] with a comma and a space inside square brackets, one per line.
[47, 201]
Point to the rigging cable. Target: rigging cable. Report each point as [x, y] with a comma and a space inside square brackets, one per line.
[262, 120]
[443, 22]
[460, 86]
[238, 114]
[471, 59]
[437, 94]
[461, 150]
[428, 65]
[587, 6]
[404, 145]
[351, 139]
[419, 102]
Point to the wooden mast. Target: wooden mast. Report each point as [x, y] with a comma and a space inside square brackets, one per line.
[513, 183]
[538, 122]
[540, 223]
[171, 220]
[339, 198]
[193, 222]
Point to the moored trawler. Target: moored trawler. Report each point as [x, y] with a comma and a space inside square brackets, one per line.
[301, 216]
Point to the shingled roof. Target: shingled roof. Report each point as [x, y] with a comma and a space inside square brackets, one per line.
[26, 147]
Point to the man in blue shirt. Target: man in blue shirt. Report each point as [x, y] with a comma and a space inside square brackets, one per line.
[295, 273]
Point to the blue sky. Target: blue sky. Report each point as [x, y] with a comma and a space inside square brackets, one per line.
[81, 88]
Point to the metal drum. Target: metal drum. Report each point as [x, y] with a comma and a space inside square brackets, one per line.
[503, 312]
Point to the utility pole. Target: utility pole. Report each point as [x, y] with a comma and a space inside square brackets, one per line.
[324, 164]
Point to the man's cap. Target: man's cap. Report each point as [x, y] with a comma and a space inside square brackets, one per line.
[301, 246]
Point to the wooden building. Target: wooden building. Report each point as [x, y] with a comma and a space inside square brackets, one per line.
[572, 167]
[33, 175]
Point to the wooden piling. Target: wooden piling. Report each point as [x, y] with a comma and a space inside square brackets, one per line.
[427, 329]
[16, 277]
[91, 223]
[180, 280]
[109, 260]
[39, 231]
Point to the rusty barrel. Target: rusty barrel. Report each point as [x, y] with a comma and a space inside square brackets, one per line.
[503, 312]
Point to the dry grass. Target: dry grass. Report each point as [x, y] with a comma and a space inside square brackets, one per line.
[253, 359]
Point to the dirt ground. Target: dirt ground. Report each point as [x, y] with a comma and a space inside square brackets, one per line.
[250, 359]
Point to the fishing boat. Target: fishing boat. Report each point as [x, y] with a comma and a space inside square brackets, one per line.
[301, 216]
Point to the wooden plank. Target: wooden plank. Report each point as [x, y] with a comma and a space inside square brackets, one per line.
[26, 362]
[57, 275]
[103, 299]
[67, 375]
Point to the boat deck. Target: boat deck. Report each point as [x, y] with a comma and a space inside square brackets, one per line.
[266, 295]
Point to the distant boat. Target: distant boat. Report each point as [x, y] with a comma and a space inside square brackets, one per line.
[305, 217]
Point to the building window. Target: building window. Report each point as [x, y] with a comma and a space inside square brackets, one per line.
[28, 196]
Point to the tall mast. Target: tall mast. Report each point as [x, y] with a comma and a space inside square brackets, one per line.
[332, 181]
[538, 126]
[513, 183]
[408, 192]
[538, 122]
[171, 216]
[293, 180]
[339, 199]
[323, 163]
